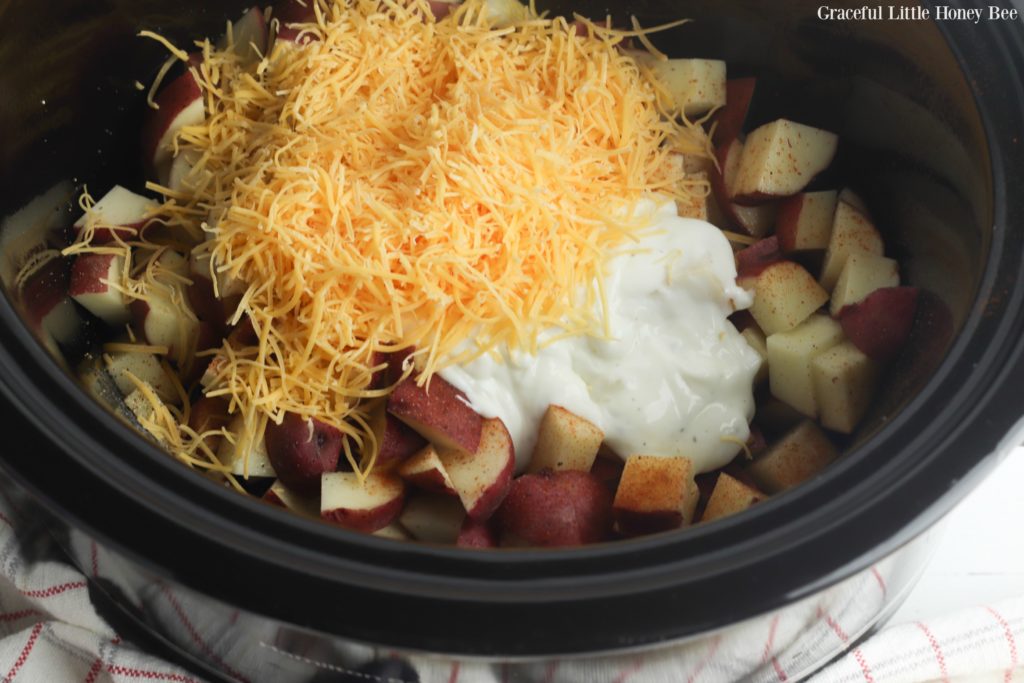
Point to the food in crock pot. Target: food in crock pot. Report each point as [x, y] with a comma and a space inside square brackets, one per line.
[462, 274]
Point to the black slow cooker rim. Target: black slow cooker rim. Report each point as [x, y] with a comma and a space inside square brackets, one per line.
[871, 517]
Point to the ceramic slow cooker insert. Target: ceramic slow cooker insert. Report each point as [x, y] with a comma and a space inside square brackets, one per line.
[930, 115]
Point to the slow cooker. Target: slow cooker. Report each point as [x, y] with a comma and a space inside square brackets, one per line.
[931, 118]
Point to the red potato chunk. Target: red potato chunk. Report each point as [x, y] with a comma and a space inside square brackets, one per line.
[565, 441]
[366, 506]
[476, 534]
[880, 324]
[804, 222]
[780, 158]
[426, 471]
[655, 494]
[796, 457]
[396, 441]
[551, 509]
[730, 496]
[301, 450]
[483, 478]
[433, 519]
[785, 296]
[439, 412]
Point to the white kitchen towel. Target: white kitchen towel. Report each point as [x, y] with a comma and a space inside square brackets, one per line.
[50, 632]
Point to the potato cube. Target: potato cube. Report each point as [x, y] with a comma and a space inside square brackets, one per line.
[780, 158]
[852, 232]
[434, 519]
[756, 340]
[565, 441]
[246, 459]
[785, 295]
[655, 493]
[844, 382]
[696, 85]
[729, 496]
[796, 457]
[863, 274]
[789, 361]
[123, 365]
[696, 204]
[805, 220]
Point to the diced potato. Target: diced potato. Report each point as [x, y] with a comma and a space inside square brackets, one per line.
[850, 197]
[434, 519]
[696, 85]
[795, 458]
[789, 361]
[863, 274]
[655, 494]
[852, 232]
[696, 205]
[756, 339]
[844, 382]
[140, 406]
[565, 441]
[780, 158]
[805, 221]
[785, 295]
[393, 531]
[144, 366]
[280, 495]
[503, 13]
[729, 496]
[246, 459]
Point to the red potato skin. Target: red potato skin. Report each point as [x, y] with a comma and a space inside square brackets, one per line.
[87, 272]
[399, 442]
[298, 459]
[391, 371]
[739, 93]
[207, 337]
[549, 509]
[445, 405]
[46, 288]
[293, 12]
[271, 497]
[439, 9]
[209, 413]
[126, 232]
[717, 180]
[243, 334]
[488, 503]
[476, 534]
[880, 324]
[204, 302]
[184, 88]
[432, 482]
[367, 521]
[758, 256]
[139, 310]
[786, 221]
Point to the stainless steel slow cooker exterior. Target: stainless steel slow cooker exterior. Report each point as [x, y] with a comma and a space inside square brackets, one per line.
[931, 116]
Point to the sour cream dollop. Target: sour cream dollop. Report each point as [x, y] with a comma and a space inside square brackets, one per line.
[676, 378]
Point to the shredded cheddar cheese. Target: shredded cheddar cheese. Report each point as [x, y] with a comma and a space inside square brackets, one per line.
[400, 182]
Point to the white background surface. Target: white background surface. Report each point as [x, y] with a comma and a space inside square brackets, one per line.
[979, 557]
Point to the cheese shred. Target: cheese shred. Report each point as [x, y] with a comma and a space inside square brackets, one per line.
[400, 182]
